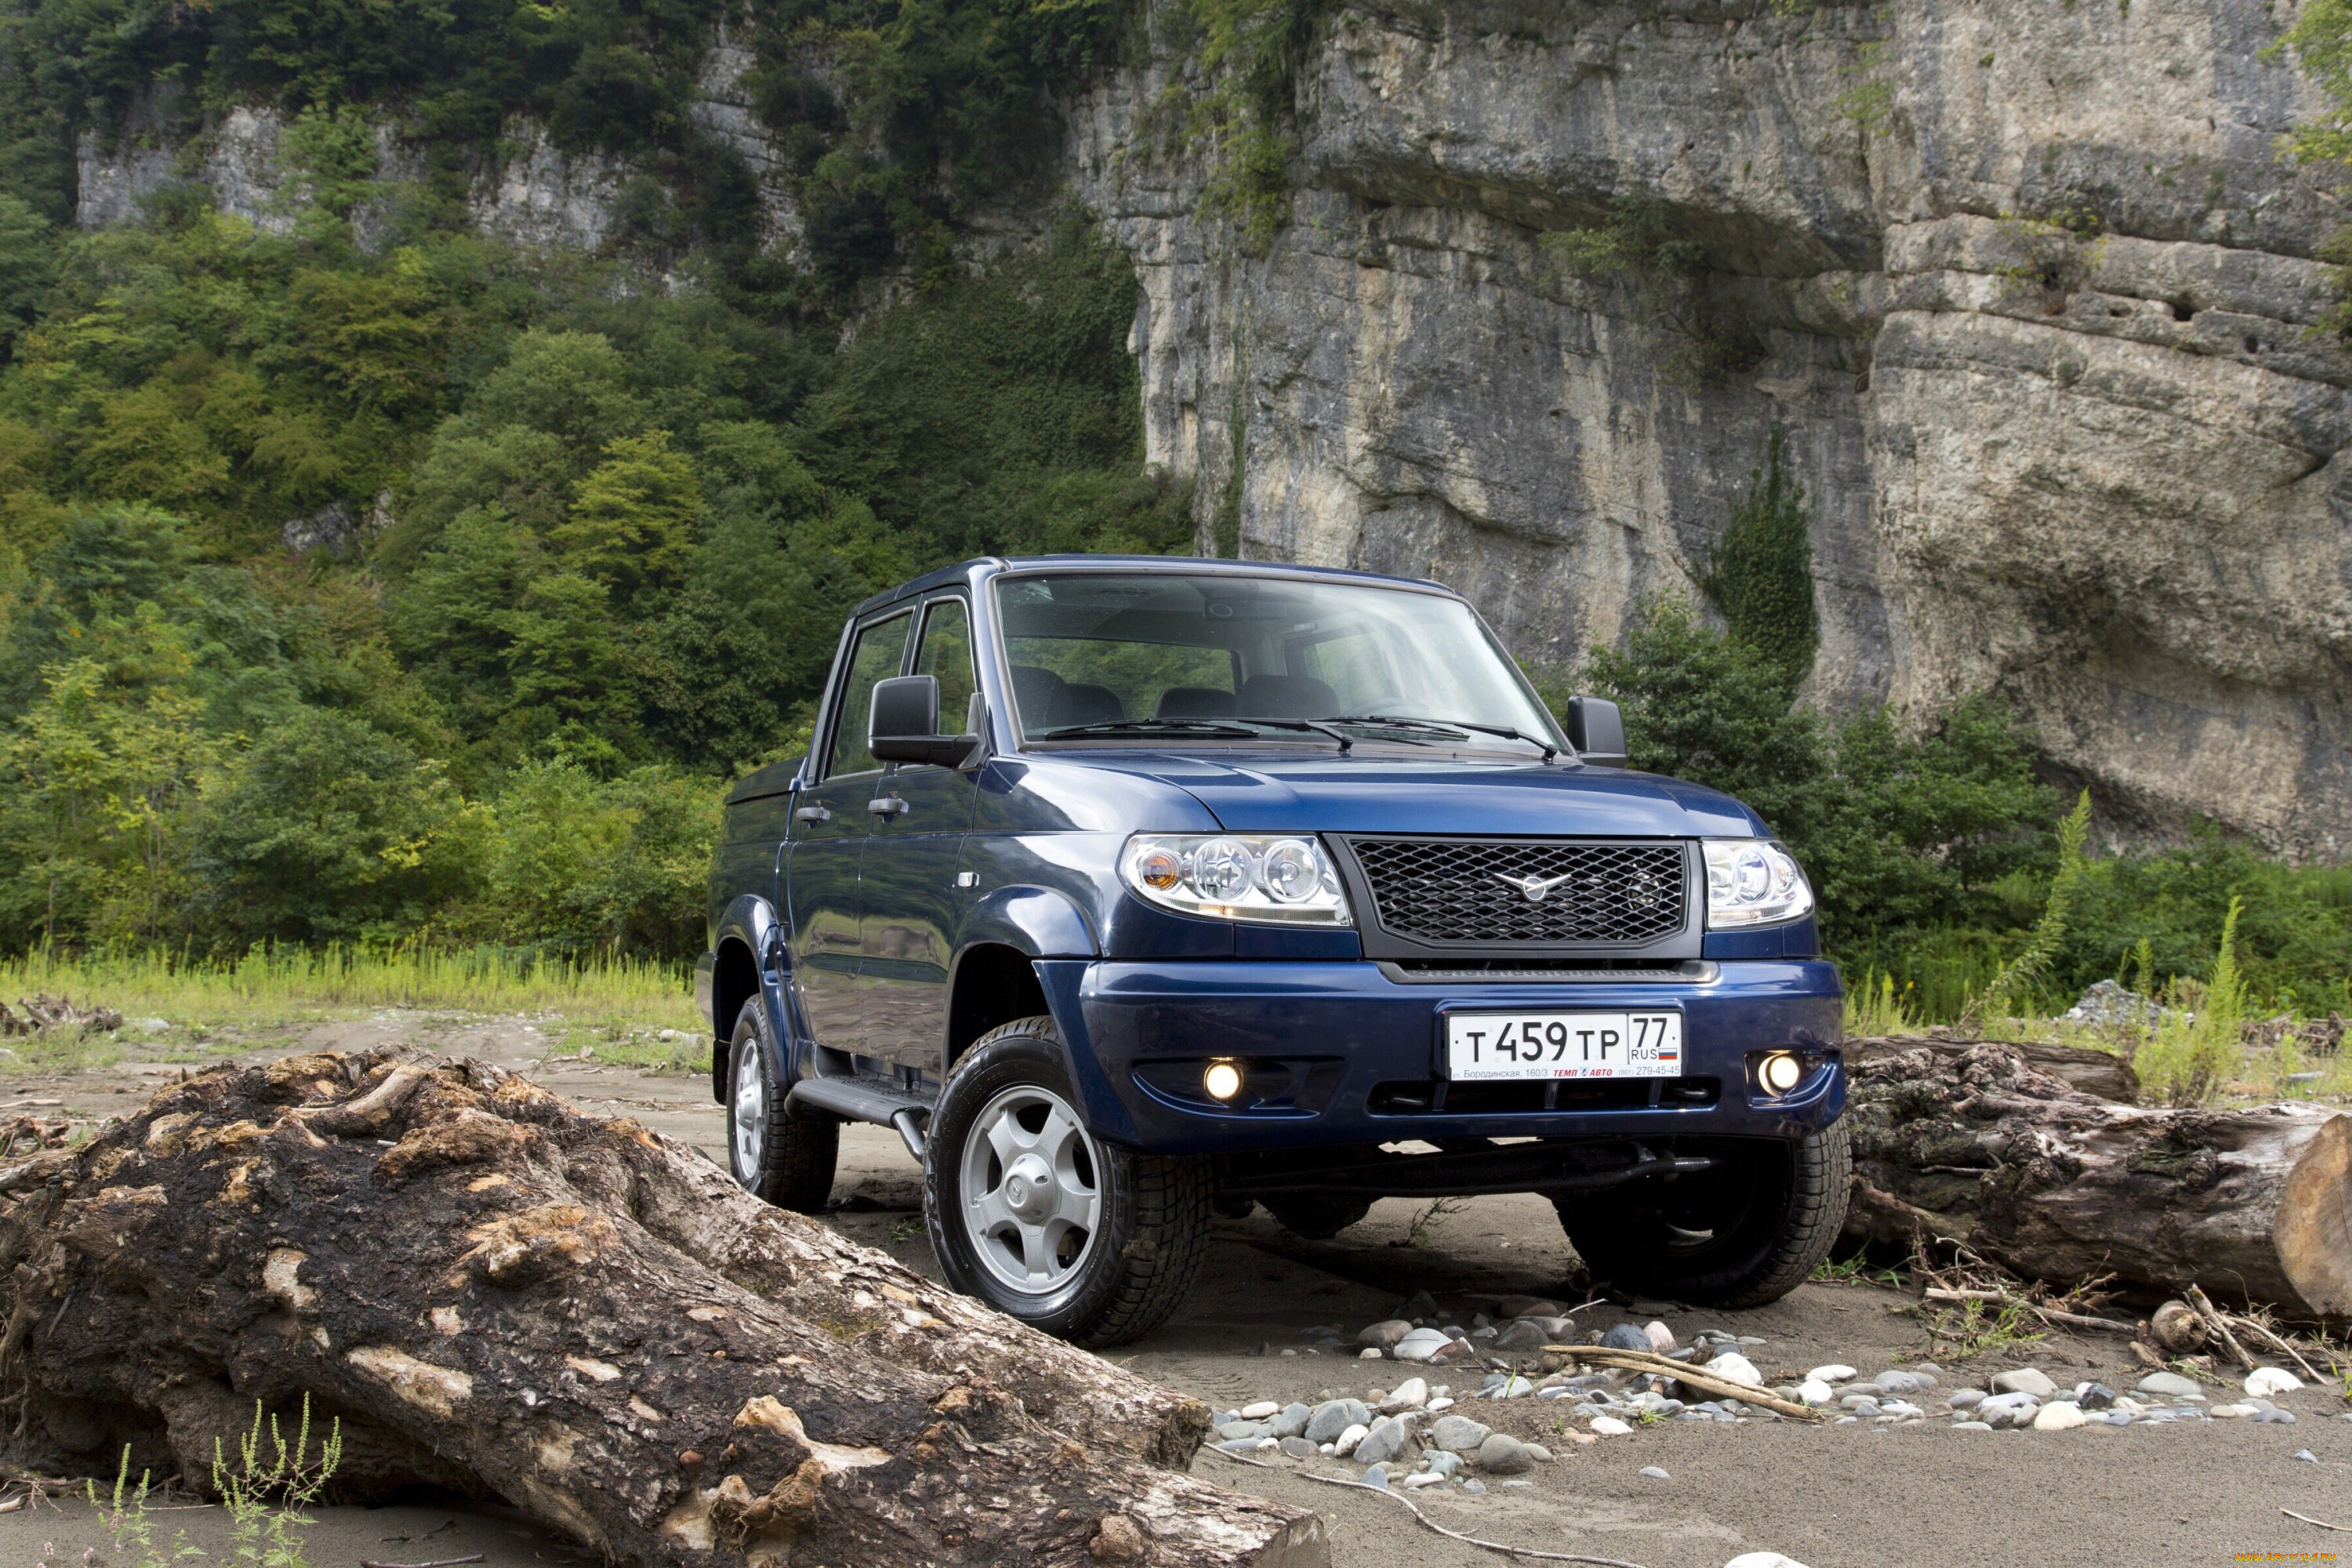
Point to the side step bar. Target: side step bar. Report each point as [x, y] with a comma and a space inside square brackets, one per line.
[867, 1098]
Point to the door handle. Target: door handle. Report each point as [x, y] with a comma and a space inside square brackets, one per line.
[886, 805]
[812, 814]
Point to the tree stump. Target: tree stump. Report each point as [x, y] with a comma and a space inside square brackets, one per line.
[1982, 1147]
[496, 1293]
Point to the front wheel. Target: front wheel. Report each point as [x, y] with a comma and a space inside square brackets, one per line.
[1745, 1233]
[1029, 1213]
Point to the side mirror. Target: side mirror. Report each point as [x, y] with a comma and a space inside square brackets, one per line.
[903, 725]
[1596, 729]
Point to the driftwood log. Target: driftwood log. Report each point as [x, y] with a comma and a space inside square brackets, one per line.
[1983, 1148]
[2102, 1075]
[496, 1293]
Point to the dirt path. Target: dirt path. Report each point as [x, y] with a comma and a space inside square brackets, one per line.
[1852, 1497]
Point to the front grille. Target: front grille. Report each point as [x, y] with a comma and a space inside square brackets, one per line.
[1452, 890]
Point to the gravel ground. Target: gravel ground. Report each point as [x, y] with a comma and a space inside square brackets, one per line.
[1867, 1494]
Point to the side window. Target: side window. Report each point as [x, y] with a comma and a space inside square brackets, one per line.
[880, 649]
[945, 654]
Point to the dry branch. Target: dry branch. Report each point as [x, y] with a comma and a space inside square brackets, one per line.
[1983, 1149]
[495, 1293]
[2047, 1314]
[1682, 1372]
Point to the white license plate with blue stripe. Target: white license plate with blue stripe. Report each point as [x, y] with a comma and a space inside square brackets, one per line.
[1487, 1047]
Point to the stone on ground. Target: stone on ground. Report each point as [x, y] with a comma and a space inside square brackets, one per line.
[2030, 1380]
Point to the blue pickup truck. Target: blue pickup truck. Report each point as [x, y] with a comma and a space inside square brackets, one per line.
[1132, 891]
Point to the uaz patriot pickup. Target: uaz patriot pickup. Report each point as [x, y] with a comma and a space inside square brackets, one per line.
[1230, 883]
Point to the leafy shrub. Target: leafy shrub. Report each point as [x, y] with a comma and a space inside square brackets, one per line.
[1900, 833]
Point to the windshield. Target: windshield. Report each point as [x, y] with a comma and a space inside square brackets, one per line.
[1103, 655]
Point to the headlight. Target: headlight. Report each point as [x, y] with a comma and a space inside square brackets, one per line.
[1236, 877]
[1753, 882]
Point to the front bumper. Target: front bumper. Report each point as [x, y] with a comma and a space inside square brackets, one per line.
[1344, 1053]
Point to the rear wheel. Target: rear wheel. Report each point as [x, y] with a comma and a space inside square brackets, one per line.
[783, 1153]
[1030, 1212]
[1747, 1232]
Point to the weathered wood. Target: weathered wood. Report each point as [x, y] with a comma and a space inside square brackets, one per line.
[1982, 1147]
[497, 1293]
[2102, 1075]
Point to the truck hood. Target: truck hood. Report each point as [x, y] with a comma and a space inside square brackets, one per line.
[1391, 790]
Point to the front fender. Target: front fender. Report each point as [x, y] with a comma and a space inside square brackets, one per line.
[1036, 921]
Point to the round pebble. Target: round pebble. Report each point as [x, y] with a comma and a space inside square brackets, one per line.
[1626, 1337]
[1656, 1473]
[2264, 1381]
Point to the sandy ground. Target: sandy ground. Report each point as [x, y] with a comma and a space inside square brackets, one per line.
[1853, 1497]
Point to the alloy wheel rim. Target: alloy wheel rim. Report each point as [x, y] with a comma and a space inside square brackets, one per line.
[1031, 1188]
[751, 1111]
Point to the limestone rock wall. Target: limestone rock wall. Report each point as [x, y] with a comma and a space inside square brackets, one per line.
[2034, 291]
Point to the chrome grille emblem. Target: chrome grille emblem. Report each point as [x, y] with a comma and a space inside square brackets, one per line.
[1533, 888]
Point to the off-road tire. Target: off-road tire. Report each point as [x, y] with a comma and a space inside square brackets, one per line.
[801, 1146]
[1779, 1204]
[1317, 1217]
[1155, 1209]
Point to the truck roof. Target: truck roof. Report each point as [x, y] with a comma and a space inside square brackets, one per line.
[942, 576]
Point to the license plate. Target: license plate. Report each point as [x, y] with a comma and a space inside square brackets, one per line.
[1485, 1046]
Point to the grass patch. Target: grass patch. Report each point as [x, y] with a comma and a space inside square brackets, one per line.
[1969, 1330]
[1856, 1270]
[71, 1048]
[280, 985]
[1422, 1229]
[688, 1055]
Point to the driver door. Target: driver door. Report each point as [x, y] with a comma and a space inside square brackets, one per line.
[909, 905]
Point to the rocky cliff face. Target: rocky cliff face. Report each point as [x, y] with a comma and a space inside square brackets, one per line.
[2027, 285]
[2030, 290]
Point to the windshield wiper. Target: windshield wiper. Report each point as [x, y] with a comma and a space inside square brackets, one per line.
[1148, 727]
[1454, 726]
[1319, 726]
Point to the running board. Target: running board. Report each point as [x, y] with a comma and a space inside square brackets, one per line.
[881, 1100]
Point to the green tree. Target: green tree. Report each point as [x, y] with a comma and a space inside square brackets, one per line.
[28, 265]
[448, 619]
[634, 519]
[576, 862]
[566, 659]
[1760, 572]
[326, 830]
[102, 779]
[1698, 705]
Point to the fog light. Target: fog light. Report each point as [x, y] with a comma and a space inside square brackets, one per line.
[1222, 1081]
[1779, 1072]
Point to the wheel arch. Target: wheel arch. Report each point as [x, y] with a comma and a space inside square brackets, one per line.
[994, 977]
[750, 958]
